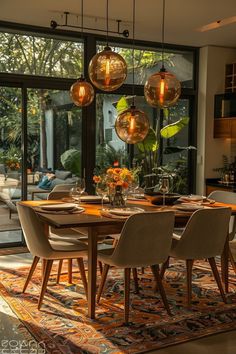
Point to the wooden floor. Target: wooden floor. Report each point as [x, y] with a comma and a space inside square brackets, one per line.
[13, 250]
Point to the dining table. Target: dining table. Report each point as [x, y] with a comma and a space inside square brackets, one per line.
[98, 225]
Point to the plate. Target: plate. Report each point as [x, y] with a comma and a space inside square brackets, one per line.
[93, 199]
[188, 207]
[192, 198]
[136, 197]
[62, 206]
[125, 211]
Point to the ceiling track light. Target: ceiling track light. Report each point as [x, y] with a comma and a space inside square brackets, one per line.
[162, 89]
[54, 25]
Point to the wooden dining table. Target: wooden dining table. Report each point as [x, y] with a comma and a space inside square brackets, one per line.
[98, 225]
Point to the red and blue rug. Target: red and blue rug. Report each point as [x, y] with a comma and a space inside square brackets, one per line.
[63, 326]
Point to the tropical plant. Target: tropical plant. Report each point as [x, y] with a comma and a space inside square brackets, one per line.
[71, 161]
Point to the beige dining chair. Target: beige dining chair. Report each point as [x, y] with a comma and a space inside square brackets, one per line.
[145, 240]
[48, 251]
[229, 198]
[204, 237]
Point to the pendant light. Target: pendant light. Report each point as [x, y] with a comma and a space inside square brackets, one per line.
[107, 69]
[82, 92]
[132, 125]
[162, 89]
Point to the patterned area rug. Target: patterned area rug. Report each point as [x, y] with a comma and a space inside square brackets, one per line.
[63, 327]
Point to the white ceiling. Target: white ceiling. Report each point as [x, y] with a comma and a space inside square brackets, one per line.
[183, 17]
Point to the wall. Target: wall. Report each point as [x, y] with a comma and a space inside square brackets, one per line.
[211, 81]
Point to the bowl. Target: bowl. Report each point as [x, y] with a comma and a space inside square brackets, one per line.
[156, 198]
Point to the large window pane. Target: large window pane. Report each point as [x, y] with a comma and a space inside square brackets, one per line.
[148, 62]
[10, 164]
[43, 56]
[54, 127]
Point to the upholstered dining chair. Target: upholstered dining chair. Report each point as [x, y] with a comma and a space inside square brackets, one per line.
[203, 238]
[40, 246]
[145, 240]
[230, 198]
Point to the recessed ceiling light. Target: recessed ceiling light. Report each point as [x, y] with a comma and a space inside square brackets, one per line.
[217, 24]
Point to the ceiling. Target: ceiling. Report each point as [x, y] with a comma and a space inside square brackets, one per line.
[183, 17]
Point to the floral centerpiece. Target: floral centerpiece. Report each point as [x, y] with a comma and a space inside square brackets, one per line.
[116, 180]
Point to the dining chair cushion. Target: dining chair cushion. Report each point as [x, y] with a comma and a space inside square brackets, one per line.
[145, 240]
[204, 236]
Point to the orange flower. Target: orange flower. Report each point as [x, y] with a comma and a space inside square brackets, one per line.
[96, 179]
[119, 183]
[117, 170]
[116, 178]
[125, 185]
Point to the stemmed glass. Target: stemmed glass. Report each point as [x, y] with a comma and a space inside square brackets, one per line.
[102, 191]
[80, 186]
[164, 187]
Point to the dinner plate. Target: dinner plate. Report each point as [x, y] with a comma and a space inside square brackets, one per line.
[125, 211]
[192, 198]
[188, 207]
[136, 197]
[62, 206]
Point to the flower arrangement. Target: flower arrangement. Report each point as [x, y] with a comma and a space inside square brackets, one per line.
[13, 165]
[115, 176]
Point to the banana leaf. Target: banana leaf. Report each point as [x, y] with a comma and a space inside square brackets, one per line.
[174, 128]
[175, 149]
[122, 105]
[150, 143]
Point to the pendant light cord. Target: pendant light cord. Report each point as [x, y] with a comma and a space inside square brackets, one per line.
[107, 10]
[163, 32]
[134, 11]
[82, 26]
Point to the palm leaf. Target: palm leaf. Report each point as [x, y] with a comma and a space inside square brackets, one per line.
[174, 128]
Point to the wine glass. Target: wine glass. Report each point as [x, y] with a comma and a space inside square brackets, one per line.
[80, 186]
[164, 187]
[102, 191]
[74, 194]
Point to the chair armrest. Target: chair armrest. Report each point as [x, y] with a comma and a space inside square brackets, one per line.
[37, 191]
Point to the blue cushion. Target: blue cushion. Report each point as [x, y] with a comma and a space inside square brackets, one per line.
[45, 183]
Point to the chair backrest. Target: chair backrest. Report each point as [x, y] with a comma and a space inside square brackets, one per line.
[35, 236]
[204, 235]
[145, 240]
[230, 198]
[63, 187]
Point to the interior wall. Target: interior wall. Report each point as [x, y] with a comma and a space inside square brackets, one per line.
[211, 81]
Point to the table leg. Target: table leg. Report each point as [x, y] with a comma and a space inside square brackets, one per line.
[225, 265]
[92, 271]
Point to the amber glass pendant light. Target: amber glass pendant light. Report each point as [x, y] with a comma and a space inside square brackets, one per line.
[132, 125]
[162, 89]
[82, 92]
[107, 69]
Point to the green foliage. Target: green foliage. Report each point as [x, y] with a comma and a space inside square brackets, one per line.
[122, 105]
[174, 128]
[178, 149]
[106, 155]
[71, 161]
[150, 143]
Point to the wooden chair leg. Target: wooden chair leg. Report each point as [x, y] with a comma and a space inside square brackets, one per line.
[217, 277]
[83, 275]
[189, 267]
[164, 266]
[103, 280]
[142, 270]
[127, 294]
[70, 271]
[43, 261]
[59, 270]
[31, 272]
[156, 273]
[100, 267]
[232, 261]
[48, 267]
[135, 276]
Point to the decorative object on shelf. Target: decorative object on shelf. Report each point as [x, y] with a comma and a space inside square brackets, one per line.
[132, 124]
[162, 89]
[82, 92]
[107, 69]
[117, 180]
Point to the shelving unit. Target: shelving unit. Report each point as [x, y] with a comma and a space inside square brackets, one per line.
[230, 77]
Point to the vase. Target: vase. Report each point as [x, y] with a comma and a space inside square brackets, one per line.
[117, 198]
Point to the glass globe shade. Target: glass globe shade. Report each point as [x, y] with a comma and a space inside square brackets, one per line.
[132, 125]
[107, 70]
[82, 93]
[162, 89]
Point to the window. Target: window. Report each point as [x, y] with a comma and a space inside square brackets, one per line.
[42, 56]
[148, 62]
